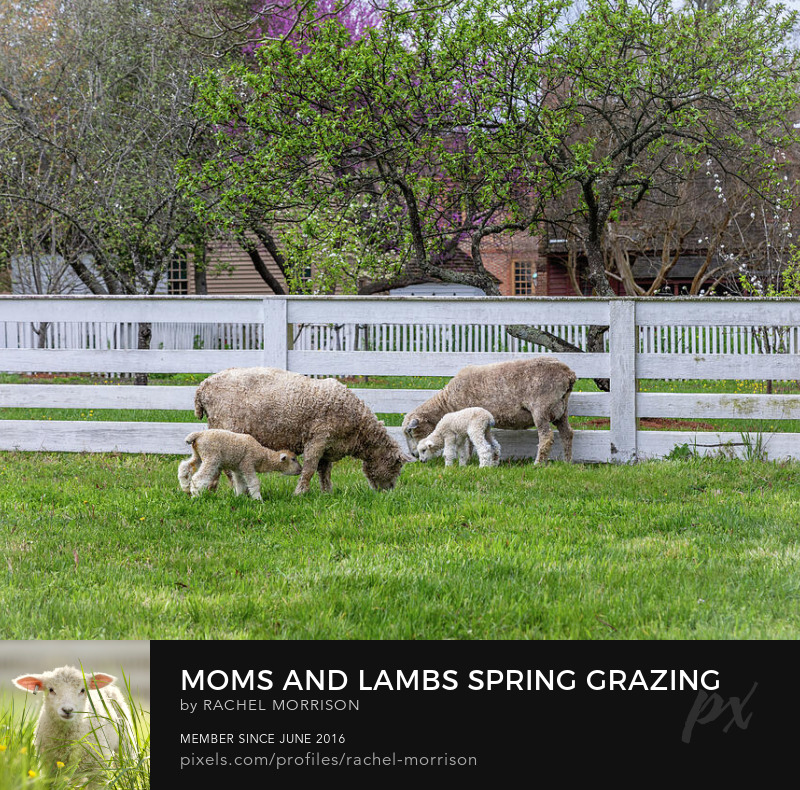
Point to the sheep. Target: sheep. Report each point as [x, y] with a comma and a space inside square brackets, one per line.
[83, 722]
[454, 433]
[237, 453]
[519, 394]
[320, 419]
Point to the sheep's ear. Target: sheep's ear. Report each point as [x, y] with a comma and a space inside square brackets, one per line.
[29, 683]
[413, 424]
[99, 679]
[284, 456]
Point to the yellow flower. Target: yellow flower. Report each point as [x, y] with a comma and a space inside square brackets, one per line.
[23, 750]
[3, 747]
[59, 764]
[31, 774]
[142, 518]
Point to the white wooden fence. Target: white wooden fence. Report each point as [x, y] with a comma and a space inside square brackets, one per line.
[627, 359]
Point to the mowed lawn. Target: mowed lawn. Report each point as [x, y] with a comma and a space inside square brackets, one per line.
[108, 547]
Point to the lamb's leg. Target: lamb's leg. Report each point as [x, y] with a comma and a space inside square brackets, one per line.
[450, 451]
[479, 437]
[496, 449]
[464, 451]
[240, 481]
[312, 454]
[185, 471]
[251, 482]
[546, 438]
[565, 432]
[324, 471]
[208, 471]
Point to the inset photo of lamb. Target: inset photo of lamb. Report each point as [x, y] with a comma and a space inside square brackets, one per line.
[75, 714]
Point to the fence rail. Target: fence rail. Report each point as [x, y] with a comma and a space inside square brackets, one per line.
[408, 336]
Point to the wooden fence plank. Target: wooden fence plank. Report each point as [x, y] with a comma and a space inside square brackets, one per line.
[719, 406]
[731, 367]
[445, 310]
[400, 363]
[622, 344]
[169, 309]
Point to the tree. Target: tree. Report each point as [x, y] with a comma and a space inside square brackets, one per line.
[393, 147]
[92, 99]
[656, 93]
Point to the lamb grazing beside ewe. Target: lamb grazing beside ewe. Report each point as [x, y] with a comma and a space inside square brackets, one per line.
[90, 710]
[519, 394]
[454, 433]
[237, 453]
[320, 419]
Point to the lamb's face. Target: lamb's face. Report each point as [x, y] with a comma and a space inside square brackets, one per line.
[289, 465]
[426, 450]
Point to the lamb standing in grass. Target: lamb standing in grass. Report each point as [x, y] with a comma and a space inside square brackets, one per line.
[237, 453]
[455, 431]
[519, 394]
[322, 420]
[84, 720]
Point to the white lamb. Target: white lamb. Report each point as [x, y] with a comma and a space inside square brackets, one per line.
[455, 431]
[83, 721]
[239, 454]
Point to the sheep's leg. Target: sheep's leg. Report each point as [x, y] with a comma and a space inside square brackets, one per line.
[450, 451]
[250, 481]
[208, 471]
[312, 455]
[240, 481]
[483, 447]
[565, 432]
[185, 471]
[324, 471]
[496, 449]
[546, 437]
[464, 451]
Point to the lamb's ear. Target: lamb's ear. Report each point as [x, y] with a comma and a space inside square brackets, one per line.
[31, 683]
[99, 679]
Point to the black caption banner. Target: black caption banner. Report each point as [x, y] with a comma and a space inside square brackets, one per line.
[432, 711]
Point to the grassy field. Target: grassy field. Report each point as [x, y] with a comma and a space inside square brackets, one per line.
[108, 547]
[20, 768]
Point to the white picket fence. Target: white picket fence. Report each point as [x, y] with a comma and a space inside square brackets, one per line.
[639, 345]
[112, 335]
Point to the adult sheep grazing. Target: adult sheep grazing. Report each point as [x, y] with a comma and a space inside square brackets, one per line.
[83, 720]
[519, 394]
[320, 419]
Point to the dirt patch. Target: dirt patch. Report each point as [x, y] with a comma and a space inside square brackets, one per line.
[660, 424]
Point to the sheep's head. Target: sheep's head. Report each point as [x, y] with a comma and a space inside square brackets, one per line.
[415, 429]
[288, 463]
[65, 689]
[383, 470]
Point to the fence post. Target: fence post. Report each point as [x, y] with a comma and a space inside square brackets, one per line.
[276, 344]
[622, 349]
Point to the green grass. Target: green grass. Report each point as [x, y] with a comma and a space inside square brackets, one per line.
[108, 547]
[20, 768]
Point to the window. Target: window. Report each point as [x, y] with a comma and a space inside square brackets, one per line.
[178, 275]
[524, 278]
